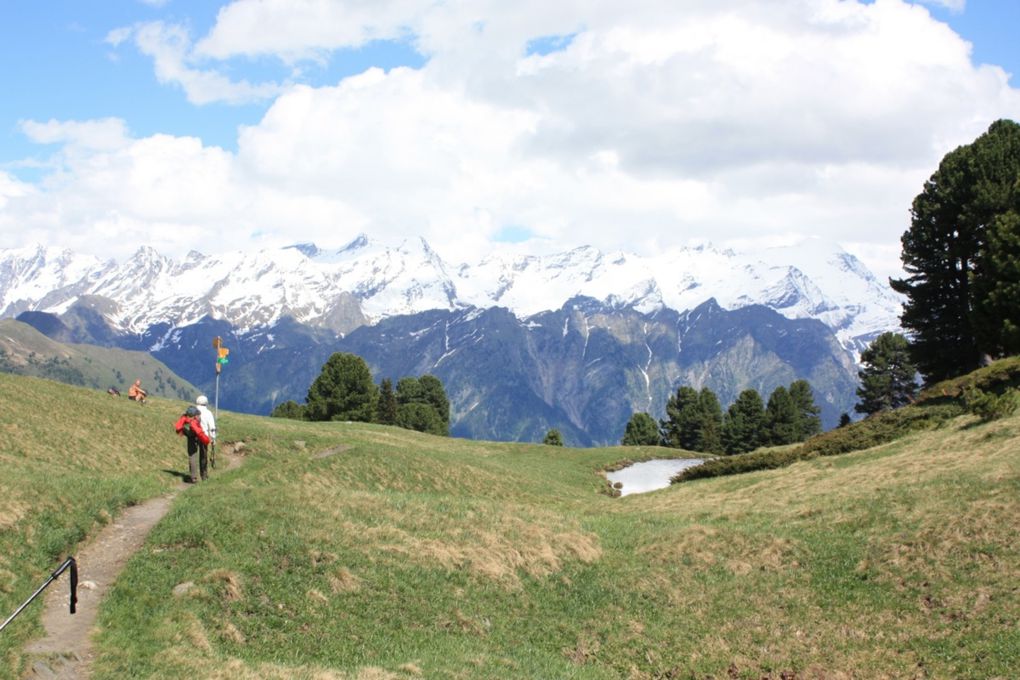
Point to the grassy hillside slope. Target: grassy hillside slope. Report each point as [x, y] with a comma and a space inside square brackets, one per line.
[26, 351]
[359, 551]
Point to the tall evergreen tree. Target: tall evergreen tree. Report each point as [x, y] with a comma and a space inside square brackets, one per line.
[415, 396]
[386, 414]
[781, 418]
[679, 429]
[409, 391]
[744, 424]
[997, 288]
[709, 432]
[694, 420]
[434, 394]
[642, 430]
[809, 423]
[949, 257]
[888, 377]
[343, 391]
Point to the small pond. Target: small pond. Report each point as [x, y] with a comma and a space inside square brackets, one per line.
[649, 475]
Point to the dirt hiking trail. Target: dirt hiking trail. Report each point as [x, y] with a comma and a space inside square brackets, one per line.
[66, 651]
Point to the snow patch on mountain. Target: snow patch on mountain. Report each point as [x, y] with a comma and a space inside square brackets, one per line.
[255, 289]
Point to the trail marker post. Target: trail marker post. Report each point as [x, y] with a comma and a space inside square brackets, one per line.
[221, 359]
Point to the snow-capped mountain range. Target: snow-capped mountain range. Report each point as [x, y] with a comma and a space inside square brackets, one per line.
[367, 281]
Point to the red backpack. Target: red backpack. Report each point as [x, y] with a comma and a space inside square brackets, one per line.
[189, 425]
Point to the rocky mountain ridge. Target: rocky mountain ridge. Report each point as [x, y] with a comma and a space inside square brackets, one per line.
[367, 281]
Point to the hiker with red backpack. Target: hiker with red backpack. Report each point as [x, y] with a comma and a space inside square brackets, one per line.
[208, 422]
[189, 425]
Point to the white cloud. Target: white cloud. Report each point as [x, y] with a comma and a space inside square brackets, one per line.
[96, 135]
[170, 47]
[304, 29]
[954, 5]
[11, 187]
[660, 122]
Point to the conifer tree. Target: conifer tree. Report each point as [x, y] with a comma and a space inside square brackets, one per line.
[343, 391]
[709, 428]
[950, 258]
[422, 405]
[744, 424]
[997, 287]
[808, 421]
[693, 421]
[781, 418]
[642, 430]
[553, 438]
[420, 417]
[679, 429]
[888, 377]
[434, 394]
[387, 411]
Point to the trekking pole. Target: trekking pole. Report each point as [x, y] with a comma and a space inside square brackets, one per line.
[69, 562]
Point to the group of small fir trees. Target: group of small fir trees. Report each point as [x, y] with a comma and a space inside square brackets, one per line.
[345, 391]
[696, 422]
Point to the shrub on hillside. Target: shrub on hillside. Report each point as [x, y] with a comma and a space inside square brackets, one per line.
[767, 459]
[989, 406]
[881, 428]
[289, 409]
[996, 377]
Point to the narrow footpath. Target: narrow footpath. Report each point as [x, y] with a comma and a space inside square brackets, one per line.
[66, 650]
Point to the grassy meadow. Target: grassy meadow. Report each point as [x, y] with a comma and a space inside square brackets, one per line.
[342, 550]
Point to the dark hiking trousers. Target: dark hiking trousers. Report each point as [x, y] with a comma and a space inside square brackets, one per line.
[197, 458]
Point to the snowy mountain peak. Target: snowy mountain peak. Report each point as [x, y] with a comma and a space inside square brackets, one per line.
[253, 289]
[309, 250]
[360, 241]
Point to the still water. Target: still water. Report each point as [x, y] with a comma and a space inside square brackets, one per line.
[649, 475]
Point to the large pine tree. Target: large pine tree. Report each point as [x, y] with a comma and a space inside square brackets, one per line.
[343, 391]
[422, 405]
[709, 437]
[386, 413]
[744, 425]
[693, 421]
[781, 418]
[888, 379]
[997, 308]
[642, 430]
[679, 429]
[949, 258]
[809, 422]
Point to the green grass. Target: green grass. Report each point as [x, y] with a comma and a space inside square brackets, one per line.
[402, 555]
[26, 351]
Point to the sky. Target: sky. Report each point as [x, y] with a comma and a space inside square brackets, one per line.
[485, 125]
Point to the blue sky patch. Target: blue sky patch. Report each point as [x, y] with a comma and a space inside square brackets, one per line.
[548, 44]
[513, 233]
